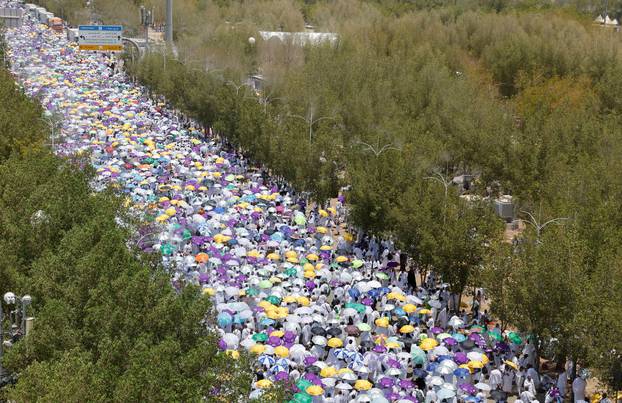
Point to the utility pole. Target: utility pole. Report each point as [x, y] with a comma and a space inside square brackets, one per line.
[146, 19]
[169, 22]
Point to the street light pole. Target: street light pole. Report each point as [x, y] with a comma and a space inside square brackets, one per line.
[310, 121]
[539, 227]
[169, 22]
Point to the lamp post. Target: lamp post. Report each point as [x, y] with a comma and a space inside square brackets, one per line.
[539, 227]
[310, 120]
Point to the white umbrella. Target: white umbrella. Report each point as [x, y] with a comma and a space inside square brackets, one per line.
[374, 284]
[455, 322]
[435, 380]
[483, 386]
[442, 370]
[344, 386]
[319, 340]
[475, 356]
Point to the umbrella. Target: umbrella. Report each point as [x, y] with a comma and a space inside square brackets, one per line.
[362, 384]
[315, 390]
[514, 338]
[483, 386]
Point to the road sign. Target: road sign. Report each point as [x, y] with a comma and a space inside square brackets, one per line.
[100, 37]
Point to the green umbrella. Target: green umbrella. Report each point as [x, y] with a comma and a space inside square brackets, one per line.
[265, 284]
[357, 263]
[167, 249]
[230, 178]
[360, 308]
[515, 338]
[301, 398]
[251, 292]
[300, 219]
[363, 327]
[303, 384]
[186, 235]
[382, 276]
[418, 355]
[479, 328]
[291, 272]
[495, 335]
[260, 337]
[273, 299]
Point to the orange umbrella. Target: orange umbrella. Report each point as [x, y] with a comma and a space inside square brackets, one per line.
[201, 258]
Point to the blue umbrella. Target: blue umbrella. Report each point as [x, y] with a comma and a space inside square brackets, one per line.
[224, 319]
[354, 293]
[459, 337]
[461, 372]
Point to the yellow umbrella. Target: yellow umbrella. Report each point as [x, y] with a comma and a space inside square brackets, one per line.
[290, 253]
[332, 210]
[292, 260]
[382, 322]
[304, 301]
[425, 311]
[263, 384]
[273, 256]
[277, 333]
[407, 329]
[396, 296]
[254, 253]
[341, 259]
[281, 351]
[428, 344]
[162, 218]
[312, 257]
[409, 308]
[308, 267]
[511, 364]
[392, 344]
[485, 359]
[476, 364]
[233, 354]
[324, 213]
[315, 390]
[209, 291]
[309, 274]
[344, 371]
[466, 366]
[321, 230]
[327, 372]
[334, 342]
[289, 299]
[362, 384]
[325, 247]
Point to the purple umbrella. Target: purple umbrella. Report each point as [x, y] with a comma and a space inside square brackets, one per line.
[274, 341]
[468, 388]
[393, 363]
[386, 382]
[450, 341]
[406, 384]
[436, 330]
[310, 360]
[281, 376]
[461, 358]
[381, 349]
[392, 396]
